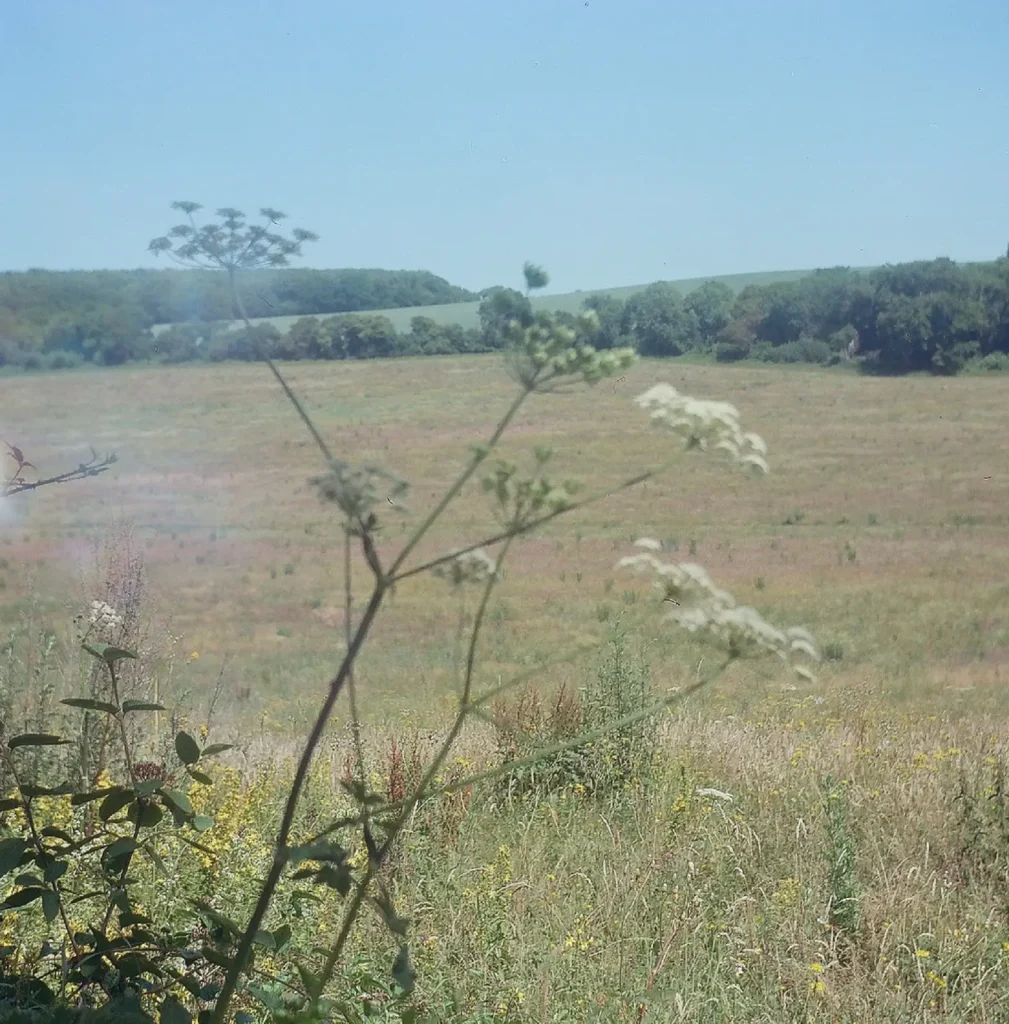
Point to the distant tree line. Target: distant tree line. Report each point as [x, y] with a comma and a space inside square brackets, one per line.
[934, 316]
[103, 315]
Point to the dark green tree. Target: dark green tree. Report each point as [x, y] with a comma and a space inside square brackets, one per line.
[536, 277]
[498, 309]
[660, 323]
[610, 311]
[712, 305]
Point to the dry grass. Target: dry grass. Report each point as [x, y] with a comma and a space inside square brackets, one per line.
[901, 486]
[895, 496]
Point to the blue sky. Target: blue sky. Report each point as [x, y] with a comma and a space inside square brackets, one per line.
[616, 142]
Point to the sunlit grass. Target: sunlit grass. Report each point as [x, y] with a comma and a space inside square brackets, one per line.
[561, 908]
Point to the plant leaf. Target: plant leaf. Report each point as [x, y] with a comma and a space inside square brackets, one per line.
[108, 653]
[173, 1012]
[96, 794]
[11, 851]
[35, 739]
[50, 906]
[141, 705]
[177, 801]
[115, 801]
[187, 748]
[90, 705]
[120, 848]
[217, 748]
[22, 898]
[402, 970]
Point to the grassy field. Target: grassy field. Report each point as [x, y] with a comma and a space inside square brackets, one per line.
[860, 870]
[465, 313]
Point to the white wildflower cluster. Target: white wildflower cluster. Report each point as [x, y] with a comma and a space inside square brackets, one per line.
[701, 607]
[469, 567]
[708, 425]
[103, 619]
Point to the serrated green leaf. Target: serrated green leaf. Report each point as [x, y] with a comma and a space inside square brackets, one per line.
[187, 748]
[141, 705]
[114, 802]
[35, 739]
[50, 906]
[11, 851]
[87, 704]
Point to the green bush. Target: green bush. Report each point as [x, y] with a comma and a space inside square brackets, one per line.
[65, 360]
[993, 362]
[805, 350]
[731, 351]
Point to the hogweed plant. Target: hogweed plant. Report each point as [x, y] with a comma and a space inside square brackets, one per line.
[120, 954]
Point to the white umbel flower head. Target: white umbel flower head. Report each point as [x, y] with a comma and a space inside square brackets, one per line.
[470, 567]
[701, 607]
[708, 425]
[104, 619]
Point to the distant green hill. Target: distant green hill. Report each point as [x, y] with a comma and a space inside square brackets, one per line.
[465, 313]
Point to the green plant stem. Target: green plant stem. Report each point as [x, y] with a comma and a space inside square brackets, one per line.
[280, 849]
[333, 957]
[460, 482]
[37, 840]
[527, 527]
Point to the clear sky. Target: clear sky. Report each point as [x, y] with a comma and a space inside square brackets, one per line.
[615, 141]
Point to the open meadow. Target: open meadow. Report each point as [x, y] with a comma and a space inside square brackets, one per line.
[835, 850]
